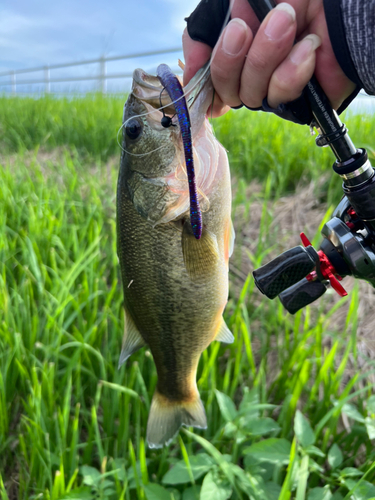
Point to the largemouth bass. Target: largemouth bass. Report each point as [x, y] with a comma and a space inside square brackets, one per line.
[175, 286]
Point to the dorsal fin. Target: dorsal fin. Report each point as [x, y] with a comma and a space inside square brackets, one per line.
[132, 339]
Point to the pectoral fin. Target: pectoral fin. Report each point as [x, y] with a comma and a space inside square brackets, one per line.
[200, 256]
[224, 334]
[132, 339]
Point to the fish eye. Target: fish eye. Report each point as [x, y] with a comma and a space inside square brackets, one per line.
[133, 129]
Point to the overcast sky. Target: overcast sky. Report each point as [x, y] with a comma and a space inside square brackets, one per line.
[40, 32]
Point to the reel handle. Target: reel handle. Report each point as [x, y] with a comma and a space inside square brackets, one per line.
[284, 271]
[302, 294]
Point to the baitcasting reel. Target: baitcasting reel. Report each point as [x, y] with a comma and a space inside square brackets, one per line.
[301, 275]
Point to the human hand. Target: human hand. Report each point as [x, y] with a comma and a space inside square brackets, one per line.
[252, 60]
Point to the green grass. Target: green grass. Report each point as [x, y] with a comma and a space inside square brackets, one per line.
[72, 425]
[259, 144]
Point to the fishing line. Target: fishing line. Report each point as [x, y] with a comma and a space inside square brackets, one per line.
[123, 125]
[231, 4]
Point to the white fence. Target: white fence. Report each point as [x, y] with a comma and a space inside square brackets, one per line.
[12, 81]
[17, 81]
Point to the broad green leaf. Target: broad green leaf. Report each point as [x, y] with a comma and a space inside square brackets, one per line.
[256, 468]
[360, 491]
[337, 496]
[108, 492]
[90, 475]
[83, 493]
[192, 493]
[233, 432]
[302, 428]
[314, 466]
[119, 468]
[249, 403]
[261, 426]
[230, 429]
[252, 486]
[154, 491]
[106, 483]
[215, 487]
[370, 427]
[352, 412]
[335, 456]
[274, 450]
[314, 451]
[226, 405]
[174, 493]
[273, 490]
[350, 472]
[200, 464]
[320, 494]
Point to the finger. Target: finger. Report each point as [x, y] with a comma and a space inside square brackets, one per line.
[293, 74]
[241, 9]
[228, 60]
[196, 54]
[271, 45]
[218, 108]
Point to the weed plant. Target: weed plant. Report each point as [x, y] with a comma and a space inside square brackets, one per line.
[72, 425]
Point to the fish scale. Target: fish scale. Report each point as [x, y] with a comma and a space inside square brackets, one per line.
[175, 286]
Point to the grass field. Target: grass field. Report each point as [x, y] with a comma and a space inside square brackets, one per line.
[290, 405]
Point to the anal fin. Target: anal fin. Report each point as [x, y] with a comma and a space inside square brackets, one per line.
[200, 256]
[224, 334]
[132, 339]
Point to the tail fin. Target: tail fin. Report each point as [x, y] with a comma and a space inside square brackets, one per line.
[166, 418]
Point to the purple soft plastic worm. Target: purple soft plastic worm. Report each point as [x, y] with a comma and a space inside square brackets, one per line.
[174, 89]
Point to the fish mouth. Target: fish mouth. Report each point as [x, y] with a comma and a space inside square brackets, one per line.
[198, 93]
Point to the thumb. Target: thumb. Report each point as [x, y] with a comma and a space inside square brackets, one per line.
[196, 54]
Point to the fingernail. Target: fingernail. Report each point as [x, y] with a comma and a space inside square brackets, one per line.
[304, 49]
[234, 37]
[282, 17]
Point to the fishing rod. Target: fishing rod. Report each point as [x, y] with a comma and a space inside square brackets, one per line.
[302, 274]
